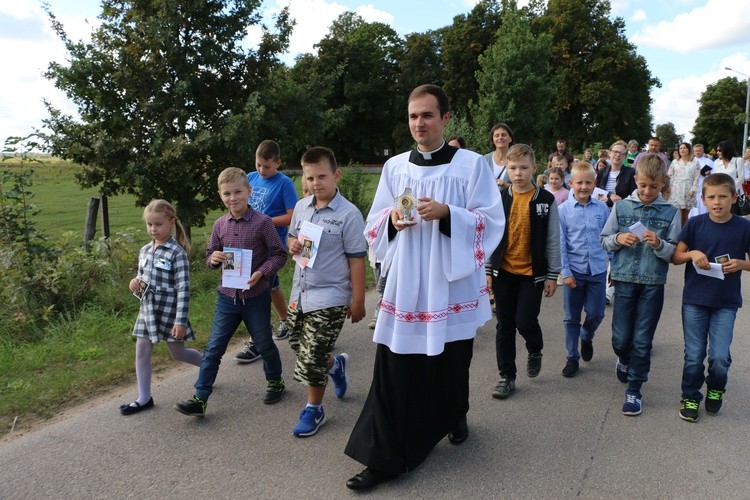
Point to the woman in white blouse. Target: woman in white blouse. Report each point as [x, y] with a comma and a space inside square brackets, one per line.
[727, 162]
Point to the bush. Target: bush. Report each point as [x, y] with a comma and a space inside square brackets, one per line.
[353, 186]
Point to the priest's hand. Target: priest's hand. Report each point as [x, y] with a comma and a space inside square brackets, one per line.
[396, 216]
[430, 209]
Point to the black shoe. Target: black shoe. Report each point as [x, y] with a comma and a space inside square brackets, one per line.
[534, 364]
[587, 350]
[460, 432]
[274, 391]
[194, 407]
[129, 409]
[571, 368]
[368, 479]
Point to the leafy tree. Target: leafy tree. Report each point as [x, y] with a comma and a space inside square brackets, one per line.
[419, 64]
[721, 113]
[167, 96]
[516, 85]
[462, 44]
[605, 92]
[669, 138]
[365, 60]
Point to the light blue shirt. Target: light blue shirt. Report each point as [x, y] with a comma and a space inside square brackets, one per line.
[328, 283]
[580, 226]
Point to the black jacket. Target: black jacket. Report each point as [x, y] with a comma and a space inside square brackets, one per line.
[545, 235]
[625, 182]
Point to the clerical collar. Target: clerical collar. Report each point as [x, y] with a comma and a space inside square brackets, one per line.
[427, 155]
[442, 155]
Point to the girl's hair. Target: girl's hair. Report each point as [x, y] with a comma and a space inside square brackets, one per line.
[163, 207]
[557, 171]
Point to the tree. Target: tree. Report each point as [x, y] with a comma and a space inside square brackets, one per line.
[419, 64]
[605, 92]
[462, 44]
[516, 84]
[365, 59]
[669, 138]
[719, 107]
[167, 98]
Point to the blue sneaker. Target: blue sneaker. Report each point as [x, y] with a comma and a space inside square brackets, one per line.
[633, 405]
[310, 420]
[622, 372]
[339, 376]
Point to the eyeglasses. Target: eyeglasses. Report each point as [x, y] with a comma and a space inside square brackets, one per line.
[616, 152]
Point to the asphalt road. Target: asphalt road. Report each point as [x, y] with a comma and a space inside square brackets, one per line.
[554, 438]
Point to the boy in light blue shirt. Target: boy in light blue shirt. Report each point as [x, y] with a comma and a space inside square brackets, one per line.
[584, 265]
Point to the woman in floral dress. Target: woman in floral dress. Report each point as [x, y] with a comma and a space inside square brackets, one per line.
[683, 176]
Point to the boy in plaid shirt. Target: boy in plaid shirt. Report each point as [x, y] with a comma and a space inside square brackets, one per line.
[247, 229]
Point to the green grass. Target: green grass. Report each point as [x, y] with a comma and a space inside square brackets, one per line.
[85, 354]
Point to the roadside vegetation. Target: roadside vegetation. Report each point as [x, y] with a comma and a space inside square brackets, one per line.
[67, 315]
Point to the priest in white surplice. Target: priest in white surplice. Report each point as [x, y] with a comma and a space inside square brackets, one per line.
[435, 297]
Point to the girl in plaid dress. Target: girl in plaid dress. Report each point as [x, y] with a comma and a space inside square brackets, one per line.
[163, 287]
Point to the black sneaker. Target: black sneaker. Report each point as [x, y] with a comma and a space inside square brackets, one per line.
[274, 391]
[714, 400]
[534, 364]
[194, 407]
[248, 354]
[571, 368]
[689, 409]
[504, 388]
[282, 332]
[587, 350]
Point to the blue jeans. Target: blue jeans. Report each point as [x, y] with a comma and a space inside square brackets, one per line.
[635, 314]
[706, 327]
[588, 295]
[255, 312]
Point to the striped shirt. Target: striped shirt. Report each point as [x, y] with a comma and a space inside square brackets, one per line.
[253, 231]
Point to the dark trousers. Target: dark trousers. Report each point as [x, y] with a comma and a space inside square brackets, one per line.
[517, 301]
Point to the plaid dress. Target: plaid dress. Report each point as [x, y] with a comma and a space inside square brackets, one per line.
[166, 302]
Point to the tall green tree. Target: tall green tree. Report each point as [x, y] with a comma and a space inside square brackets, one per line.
[364, 57]
[167, 96]
[419, 64]
[605, 91]
[721, 113]
[516, 84]
[462, 44]
[669, 137]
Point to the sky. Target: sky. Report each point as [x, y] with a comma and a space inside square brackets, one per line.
[687, 45]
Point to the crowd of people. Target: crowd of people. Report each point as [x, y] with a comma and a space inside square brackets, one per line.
[456, 237]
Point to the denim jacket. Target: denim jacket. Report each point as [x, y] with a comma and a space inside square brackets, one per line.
[640, 263]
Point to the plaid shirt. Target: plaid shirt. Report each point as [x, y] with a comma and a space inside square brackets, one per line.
[253, 231]
[166, 269]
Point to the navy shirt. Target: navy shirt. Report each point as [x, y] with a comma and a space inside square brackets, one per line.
[715, 239]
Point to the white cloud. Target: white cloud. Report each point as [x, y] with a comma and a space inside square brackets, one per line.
[638, 16]
[314, 18]
[677, 101]
[715, 25]
[25, 59]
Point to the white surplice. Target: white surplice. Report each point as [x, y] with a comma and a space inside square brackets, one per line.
[436, 290]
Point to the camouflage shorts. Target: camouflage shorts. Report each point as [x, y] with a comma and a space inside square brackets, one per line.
[312, 338]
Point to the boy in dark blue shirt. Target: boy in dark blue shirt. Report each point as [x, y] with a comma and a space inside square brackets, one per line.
[720, 240]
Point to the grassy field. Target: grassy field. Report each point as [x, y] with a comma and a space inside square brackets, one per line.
[85, 354]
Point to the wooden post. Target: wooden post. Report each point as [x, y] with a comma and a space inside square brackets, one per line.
[105, 216]
[90, 229]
